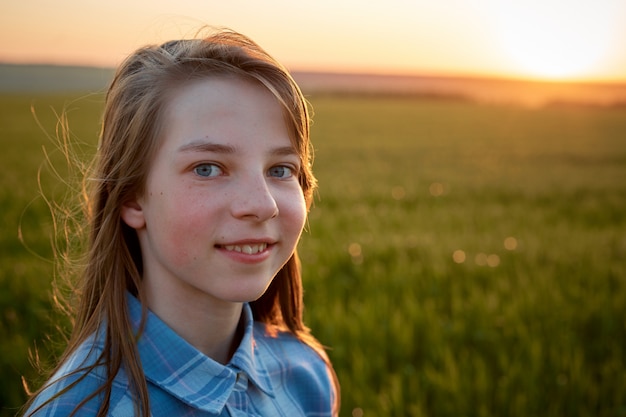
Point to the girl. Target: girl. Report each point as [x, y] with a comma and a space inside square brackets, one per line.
[191, 298]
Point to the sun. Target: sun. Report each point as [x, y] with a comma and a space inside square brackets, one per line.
[559, 40]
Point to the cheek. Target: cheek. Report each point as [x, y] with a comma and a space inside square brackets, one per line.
[178, 220]
[294, 212]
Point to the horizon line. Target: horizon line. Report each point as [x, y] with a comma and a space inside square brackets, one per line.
[371, 73]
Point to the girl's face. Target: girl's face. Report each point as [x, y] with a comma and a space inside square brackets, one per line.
[223, 209]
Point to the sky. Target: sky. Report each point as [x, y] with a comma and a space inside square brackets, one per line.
[583, 40]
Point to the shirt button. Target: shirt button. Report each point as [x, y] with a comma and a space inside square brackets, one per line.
[241, 382]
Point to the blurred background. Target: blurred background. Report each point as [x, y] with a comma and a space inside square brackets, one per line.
[579, 40]
[465, 254]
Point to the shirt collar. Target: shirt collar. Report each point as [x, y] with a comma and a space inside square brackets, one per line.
[174, 365]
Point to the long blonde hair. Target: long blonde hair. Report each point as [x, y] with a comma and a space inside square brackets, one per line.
[131, 125]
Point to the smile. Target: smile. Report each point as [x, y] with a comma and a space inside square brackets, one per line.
[247, 249]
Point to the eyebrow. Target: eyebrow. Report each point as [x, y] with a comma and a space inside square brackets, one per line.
[285, 151]
[203, 146]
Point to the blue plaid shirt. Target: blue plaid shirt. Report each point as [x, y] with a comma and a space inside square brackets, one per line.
[267, 376]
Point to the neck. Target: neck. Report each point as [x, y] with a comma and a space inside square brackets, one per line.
[211, 326]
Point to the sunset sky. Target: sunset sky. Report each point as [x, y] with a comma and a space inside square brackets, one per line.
[545, 39]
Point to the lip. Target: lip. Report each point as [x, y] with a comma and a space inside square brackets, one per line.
[253, 241]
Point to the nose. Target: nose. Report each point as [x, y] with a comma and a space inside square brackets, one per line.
[254, 200]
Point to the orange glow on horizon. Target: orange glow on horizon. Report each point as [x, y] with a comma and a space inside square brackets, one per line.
[555, 40]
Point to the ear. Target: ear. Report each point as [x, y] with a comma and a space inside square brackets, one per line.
[132, 214]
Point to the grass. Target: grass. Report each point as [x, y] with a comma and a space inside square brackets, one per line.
[460, 259]
[26, 271]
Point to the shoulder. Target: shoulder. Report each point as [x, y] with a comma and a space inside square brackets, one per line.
[75, 385]
[283, 351]
[296, 368]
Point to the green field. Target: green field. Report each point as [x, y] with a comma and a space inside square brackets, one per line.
[460, 259]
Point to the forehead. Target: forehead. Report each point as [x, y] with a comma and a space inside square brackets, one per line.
[218, 91]
[222, 108]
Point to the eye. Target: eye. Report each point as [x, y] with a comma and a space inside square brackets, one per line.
[281, 171]
[207, 170]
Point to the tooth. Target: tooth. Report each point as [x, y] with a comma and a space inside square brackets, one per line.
[247, 249]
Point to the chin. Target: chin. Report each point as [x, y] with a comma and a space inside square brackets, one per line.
[246, 296]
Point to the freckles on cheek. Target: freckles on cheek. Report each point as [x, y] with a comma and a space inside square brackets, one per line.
[175, 224]
[180, 242]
